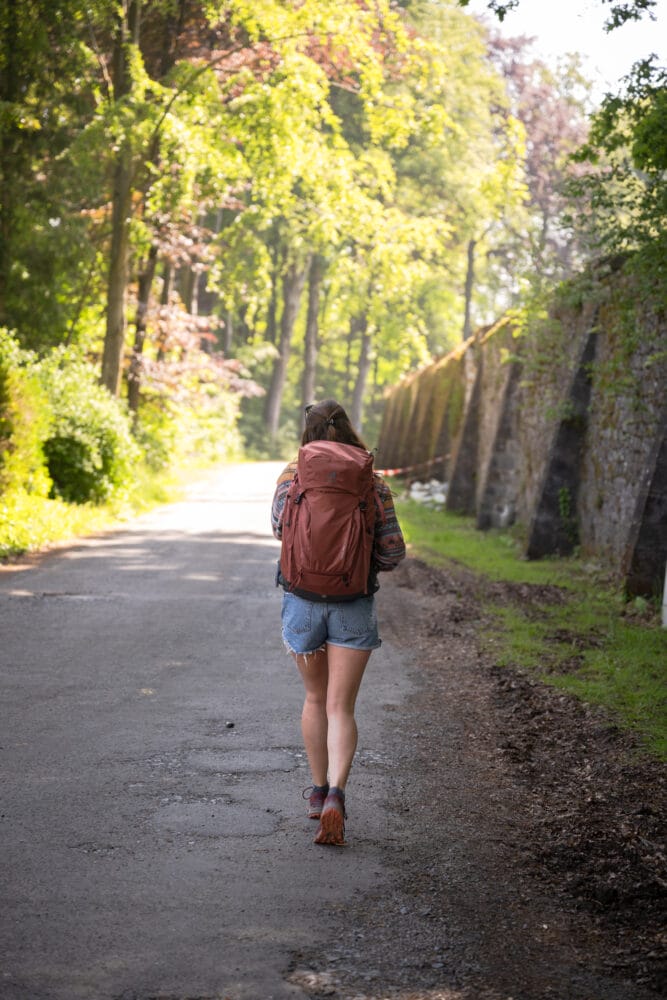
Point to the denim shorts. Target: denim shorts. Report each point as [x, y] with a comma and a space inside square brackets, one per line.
[308, 625]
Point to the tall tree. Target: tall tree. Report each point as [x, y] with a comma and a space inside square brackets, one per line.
[552, 106]
[42, 108]
[292, 287]
[311, 336]
[622, 183]
[126, 42]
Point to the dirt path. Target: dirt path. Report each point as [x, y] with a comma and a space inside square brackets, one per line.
[526, 836]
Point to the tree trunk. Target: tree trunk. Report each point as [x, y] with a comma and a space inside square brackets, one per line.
[310, 347]
[271, 324]
[186, 282]
[114, 340]
[272, 313]
[173, 25]
[143, 297]
[10, 165]
[228, 334]
[359, 326]
[293, 283]
[277, 253]
[349, 381]
[470, 281]
[165, 298]
[167, 283]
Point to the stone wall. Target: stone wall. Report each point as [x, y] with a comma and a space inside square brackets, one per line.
[622, 432]
[563, 431]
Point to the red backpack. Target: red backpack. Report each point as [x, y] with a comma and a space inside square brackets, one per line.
[329, 523]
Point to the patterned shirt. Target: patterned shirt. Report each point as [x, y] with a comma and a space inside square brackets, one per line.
[388, 545]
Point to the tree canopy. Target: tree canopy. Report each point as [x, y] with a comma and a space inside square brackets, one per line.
[281, 200]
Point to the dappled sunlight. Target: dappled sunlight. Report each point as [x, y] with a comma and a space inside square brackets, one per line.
[188, 549]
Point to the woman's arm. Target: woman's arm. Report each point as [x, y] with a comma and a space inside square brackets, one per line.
[389, 545]
[278, 505]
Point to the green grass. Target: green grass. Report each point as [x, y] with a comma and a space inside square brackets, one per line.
[29, 523]
[439, 537]
[591, 642]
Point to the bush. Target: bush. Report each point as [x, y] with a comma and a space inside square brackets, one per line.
[156, 432]
[25, 417]
[90, 451]
[202, 429]
[257, 443]
[209, 430]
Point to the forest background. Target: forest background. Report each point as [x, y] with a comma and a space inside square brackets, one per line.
[213, 213]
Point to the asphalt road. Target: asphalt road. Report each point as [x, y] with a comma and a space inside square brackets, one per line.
[154, 842]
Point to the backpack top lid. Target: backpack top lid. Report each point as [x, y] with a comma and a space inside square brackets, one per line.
[335, 466]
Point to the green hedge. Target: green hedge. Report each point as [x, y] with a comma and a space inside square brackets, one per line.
[61, 434]
[90, 452]
[64, 438]
[25, 418]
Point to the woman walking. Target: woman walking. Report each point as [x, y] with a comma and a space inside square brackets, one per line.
[331, 639]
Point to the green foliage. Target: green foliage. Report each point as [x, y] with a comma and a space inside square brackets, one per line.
[256, 443]
[496, 7]
[624, 183]
[44, 72]
[208, 432]
[590, 647]
[440, 536]
[24, 421]
[619, 12]
[174, 433]
[156, 432]
[379, 137]
[90, 452]
[581, 636]
[29, 522]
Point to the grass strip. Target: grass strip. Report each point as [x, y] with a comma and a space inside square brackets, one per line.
[29, 522]
[591, 642]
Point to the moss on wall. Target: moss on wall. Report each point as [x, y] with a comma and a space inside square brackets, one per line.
[425, 414]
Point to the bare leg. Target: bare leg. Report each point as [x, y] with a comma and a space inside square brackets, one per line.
[315, 674]
[346, 670]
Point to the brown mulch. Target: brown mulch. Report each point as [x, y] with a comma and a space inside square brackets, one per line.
[598, 811]
[597, 800]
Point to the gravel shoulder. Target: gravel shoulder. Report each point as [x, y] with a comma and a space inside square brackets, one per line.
[525, 837]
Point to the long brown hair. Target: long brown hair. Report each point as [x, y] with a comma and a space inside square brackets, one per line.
[328, 421]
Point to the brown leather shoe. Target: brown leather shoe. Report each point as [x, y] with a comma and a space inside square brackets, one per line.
[332, 820]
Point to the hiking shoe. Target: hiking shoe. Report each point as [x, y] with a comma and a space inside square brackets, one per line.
[332, 820]
[316, 795]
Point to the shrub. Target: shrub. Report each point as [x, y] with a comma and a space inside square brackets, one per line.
[156, 431]
[209, 429]
[25, 417]
[199, 428]
[90, 451]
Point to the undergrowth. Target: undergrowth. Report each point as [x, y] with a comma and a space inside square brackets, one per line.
[29, 522]
[588, 641]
